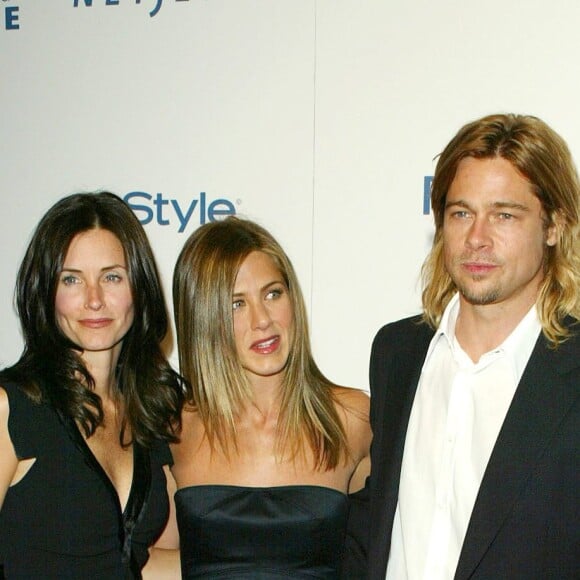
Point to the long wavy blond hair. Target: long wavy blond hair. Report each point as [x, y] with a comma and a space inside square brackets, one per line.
[543, 158]
[203, 285]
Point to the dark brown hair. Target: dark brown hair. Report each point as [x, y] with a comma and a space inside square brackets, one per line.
[51, 369]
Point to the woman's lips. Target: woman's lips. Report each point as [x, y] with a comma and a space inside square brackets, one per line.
[95, 322]
[266, 346]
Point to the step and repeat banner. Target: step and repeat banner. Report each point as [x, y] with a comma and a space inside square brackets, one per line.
[320, 119]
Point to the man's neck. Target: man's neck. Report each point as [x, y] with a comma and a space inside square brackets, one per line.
[482, 328]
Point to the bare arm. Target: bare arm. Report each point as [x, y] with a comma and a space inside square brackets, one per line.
[356, 405]
[359, 436]
[8, 459]
[362, 471]
[164, 563]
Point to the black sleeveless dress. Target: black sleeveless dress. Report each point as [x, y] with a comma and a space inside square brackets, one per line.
[229, 532]
[63, 519]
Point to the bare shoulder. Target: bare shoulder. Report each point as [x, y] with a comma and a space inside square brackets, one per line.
[191, 421]
[191, 433]
[4, 407]
[353, 406]
[5, 442]
[354, 402]
[8, 459]
[189, 413]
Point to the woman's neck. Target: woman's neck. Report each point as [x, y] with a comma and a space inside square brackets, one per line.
[267, 395]
[101, 365]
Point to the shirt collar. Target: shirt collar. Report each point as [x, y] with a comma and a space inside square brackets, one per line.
[446, 327]
[518, 346]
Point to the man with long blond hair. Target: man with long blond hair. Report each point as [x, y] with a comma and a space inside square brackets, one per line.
[475, 403]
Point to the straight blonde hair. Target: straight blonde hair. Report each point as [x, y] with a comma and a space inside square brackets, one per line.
[203, 285]
[539, 154]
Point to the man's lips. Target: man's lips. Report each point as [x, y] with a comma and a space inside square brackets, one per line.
[95, 322]
[479, 267]
[266, 346]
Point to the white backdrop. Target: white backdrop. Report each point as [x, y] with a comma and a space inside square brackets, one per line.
[318, 118]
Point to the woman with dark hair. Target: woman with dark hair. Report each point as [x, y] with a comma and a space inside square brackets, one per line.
[87, 412]
[270, 448]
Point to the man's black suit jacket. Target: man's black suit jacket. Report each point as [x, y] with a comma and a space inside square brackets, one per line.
[525, 522]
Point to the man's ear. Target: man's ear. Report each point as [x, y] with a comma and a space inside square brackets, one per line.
[554, 230]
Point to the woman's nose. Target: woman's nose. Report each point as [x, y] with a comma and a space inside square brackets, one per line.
[94, 298]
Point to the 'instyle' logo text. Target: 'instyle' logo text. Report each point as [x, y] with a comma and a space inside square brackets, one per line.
[170, 212]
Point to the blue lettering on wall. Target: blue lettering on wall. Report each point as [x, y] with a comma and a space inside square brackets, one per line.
[168, 212]
[154, 11]
[427, 181]
[11, 18]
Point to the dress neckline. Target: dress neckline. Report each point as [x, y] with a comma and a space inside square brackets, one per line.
[262, 489]
[138, 493]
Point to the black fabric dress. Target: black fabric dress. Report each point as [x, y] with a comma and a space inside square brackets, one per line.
[63, 519]
[229, 532]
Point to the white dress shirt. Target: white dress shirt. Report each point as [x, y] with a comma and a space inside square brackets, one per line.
[455, 420]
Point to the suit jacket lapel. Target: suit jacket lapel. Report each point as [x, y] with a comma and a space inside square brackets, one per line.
[399, 413]
[402, 370]
[541, 400]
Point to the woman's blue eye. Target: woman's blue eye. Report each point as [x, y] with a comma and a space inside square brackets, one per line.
[68, 280]
[275, 293]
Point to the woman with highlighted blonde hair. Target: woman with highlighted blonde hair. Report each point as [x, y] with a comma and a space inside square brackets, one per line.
[270, 448]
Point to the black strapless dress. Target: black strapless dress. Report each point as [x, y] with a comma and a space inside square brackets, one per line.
[261, 533]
